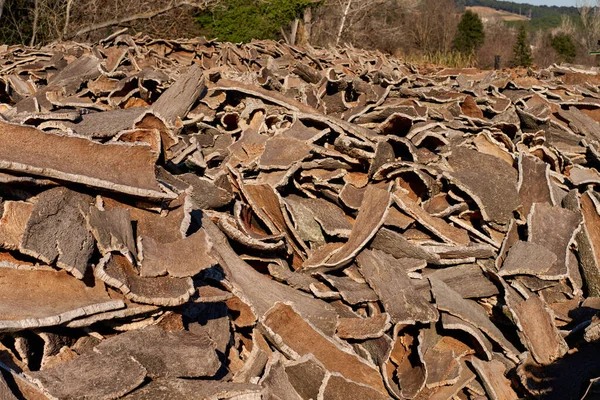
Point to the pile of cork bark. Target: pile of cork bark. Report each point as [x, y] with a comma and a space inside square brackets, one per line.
[202, 220]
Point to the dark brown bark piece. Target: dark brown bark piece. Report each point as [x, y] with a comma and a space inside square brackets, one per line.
[186, 257]
[441, 362]
[179, 354]
[205, 194]
[91, 376]
[306, 375]
[56, 231]
[451, 302]
[293, 335]
[589, 243]
[468, 280]
[117, 271]
[132, 311]
[179, 98]
[370, 218]
[406, 366]
[167, 389]
[351, 291]
[336, 387]
[491, 183]
[448, 392]
[534, 185]
[534, 320]
[330, 217]
[121, 168]
[13, 223]
[397, 219]
[45, 298]
[388, 277]
[260, 292]
[363, 328]
[112, 230]
[395, 244]
[107, 124]
[491, 374]
[554, 228]
[276, 381]
[281, 152]
[526, 258]
[437, 226]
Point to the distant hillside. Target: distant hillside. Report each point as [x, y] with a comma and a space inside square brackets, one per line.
[542, 17]
[486, 13]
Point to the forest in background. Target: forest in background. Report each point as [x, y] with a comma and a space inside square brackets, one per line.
[421, 31]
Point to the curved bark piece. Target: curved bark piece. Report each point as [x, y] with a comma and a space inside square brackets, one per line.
[186, 257]
[179, 354]
[38, 298]
[370, 218]
[491, 182]
[117, 271]
[389, 279]
[189, 389]
[56, 231]
[261, 293]
[90, 376]
[296, 337]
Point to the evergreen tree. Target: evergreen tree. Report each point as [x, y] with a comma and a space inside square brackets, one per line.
[565, 46]
[243, 20]
[470, 35]
[522, 51]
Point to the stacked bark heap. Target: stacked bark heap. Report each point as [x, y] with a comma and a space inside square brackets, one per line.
[192, 219]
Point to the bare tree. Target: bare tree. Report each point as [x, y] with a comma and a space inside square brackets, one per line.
[589, 11]
[1, 7]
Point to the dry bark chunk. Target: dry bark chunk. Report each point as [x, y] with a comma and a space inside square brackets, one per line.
[276, 381]
[281, 152]
[91, 376]
[186, 257]
[260, 292]
[492, 375]
[448, 300]
[589, 243]
[554, 228]
[112, 230]
[104, 125]
[468, 280]
[490, 181]
[536, 323]
[389, 279]
[205, 194]
[306, 375]
[179, 98]
[45, 298]
[167, 389]
[370, 218]
[351, 291]
[120, 168]
[331, 218]
[117, 271]
[296, 337]
[179, 354]
[13, 223]
[336, 387]
[525, 258]
[363, 328]
[56, 231]
[436, 225]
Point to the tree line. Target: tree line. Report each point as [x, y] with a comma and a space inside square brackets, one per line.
[435, 31]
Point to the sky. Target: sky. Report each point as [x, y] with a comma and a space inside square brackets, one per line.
[547, 2]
